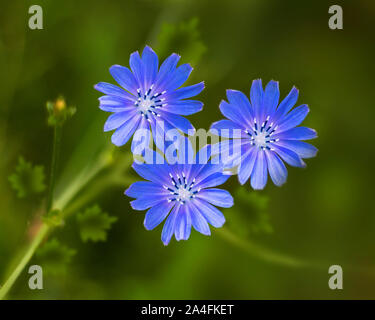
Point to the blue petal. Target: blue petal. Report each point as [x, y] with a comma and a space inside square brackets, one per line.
[123, 133]
[111, 89]
[256, 97]
[213, 180]
[271, 98]
[289, 156]
[230, 151]
[183, 224]
[147, 201]
[239, 99]
[164, 134]
[195, 169]
[157, 214]
[233, 112]
[142, 137]
[155, 173]
[184, 107]
[118, 119]
[109, 108]
[151, 63]
[247, 165]
[198, 221]
[217, 197]
[298, 133]
[152, 157]
[207, 170]
[259, 174]
[115, 104]
[286, 104]
[225, 128]
[303, 149]
[213, 215]
[169, 225]
[178, 122]
[168, 66]
[203, 155]
[185, 92]
[137, 67]
[159, 128]
[276, 168]
[294, 118]
[224, 146]
[176, 151]
[124, 78]
[201, 159]
[141, 188]
[178, 77]
[116, 101]
[186, 153]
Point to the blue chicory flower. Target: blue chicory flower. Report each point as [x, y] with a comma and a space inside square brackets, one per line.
[151, 94]
[268, 133]
[182, 193]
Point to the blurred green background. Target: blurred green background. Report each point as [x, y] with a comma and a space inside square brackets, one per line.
[323, 215]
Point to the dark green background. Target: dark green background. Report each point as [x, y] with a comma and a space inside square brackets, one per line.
[323, 215]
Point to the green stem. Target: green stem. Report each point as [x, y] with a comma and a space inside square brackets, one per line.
[34, 244]
[282, 259]
[260, 252]
[24, 261]
[82, 179]
[100, 186]
[55, 158]
[45, 228]
[87, 196]
[61, 203]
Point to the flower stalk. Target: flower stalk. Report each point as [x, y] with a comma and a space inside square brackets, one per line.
[29, 252]
[54, 164]
[68, 204]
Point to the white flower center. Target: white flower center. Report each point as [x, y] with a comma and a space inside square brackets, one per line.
[183, 193]
[181, 190]
[260, 140]
[148, 102]
[145, 105]
[261, 136]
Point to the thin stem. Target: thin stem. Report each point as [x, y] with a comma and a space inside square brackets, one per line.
[54, 163]
[34, 244]
[282, 259]
[61, 202]
[100, 186]
[260, 252]
[82, 179]
[24, 261]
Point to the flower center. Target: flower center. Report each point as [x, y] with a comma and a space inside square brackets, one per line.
[181, 190]
[145, 105]
[183, 193]
[261, 136]
[149, 102]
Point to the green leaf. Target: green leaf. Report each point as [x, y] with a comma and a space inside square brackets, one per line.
[251, 214]
[183, 38]
[54, 257]
[94, 224]
[27, 179]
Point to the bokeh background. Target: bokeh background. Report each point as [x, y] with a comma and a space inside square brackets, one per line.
[276, 244]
